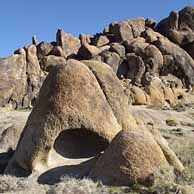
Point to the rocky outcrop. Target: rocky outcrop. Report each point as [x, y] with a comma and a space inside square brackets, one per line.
[13, 80]
[134, 49]
[168, 90]
[48, 62]
[68, 43]
[113, 91]
[73, 98]
[179, 28]
[43, 49]
[91, 82]
[136, 156]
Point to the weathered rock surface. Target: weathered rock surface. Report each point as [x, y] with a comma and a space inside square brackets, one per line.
[133, 48]
[68, 43]
[179, 28]
[100, 40]
[13, 80]
[110, 58]
[73, 97]
[184, 64]
[136, 157]
[43, 49]
[114, 93]
[47, 63]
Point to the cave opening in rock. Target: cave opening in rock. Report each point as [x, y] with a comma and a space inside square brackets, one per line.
[79, 143]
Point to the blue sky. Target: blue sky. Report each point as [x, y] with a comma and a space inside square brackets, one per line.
[20, 19]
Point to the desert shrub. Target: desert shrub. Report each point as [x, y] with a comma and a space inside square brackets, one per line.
[75, 186]
[171, 122]
[185, 151]
[14, 185]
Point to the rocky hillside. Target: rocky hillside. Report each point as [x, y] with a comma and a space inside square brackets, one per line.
[155, 62]
[82, 123]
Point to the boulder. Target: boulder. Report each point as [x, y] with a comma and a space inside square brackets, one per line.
[153, 59]
[70, 44]
[86, 38]
[126, 30]
[136, 68]
[121, 30]
[71, 101]
[182, 37]
[190, 49]
[137, 26]
[150, 54]
[179, 27]
[10, 137]
[86, 50]
[155, 90]
[139, 96]
[43, 49]
[171, 22]
[34, 40]
[100, 40]
[136, 45]
[13, 80]
[150, 23]
[176, 89]
[150, 35]
[170, 156]
[112, 59]
[57, 51]
[35, 75]
[118, 48]
[114, 93]
[186, 18]
[183, 64]
[48, 62]
[136, 157]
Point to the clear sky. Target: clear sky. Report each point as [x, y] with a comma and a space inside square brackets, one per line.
[20, 19]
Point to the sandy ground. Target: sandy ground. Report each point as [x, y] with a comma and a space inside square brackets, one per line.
[173, 123]
[9, 118]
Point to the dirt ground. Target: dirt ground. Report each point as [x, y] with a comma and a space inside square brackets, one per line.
[176, 125]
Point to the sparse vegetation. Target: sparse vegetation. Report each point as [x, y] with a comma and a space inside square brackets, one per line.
[171, 122]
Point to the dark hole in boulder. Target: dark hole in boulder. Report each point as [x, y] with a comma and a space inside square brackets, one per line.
[123, 69]
[180, 97]
[79, 143]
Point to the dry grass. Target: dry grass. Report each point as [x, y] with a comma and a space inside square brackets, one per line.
[13, 185]
[166, 182]
[74, 186]
[171, 122]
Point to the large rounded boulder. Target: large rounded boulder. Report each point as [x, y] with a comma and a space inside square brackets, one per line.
[133, 156]
[74, 102]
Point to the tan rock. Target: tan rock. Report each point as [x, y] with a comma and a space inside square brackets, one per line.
[86, 50]
[57, 51]
[133, 156]
[155, 91]
[114, 93]
[50, 61]
[13, 79]
[121, 30]
[137, 25]
[139, 96]
[43, 49]
[69, 43]
[71, 99]
[100, 40]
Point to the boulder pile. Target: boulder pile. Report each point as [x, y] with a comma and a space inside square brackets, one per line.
[81, 90]
[80, 109]
[136, 49]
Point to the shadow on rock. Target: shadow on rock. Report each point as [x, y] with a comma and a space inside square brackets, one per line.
[55, 175]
